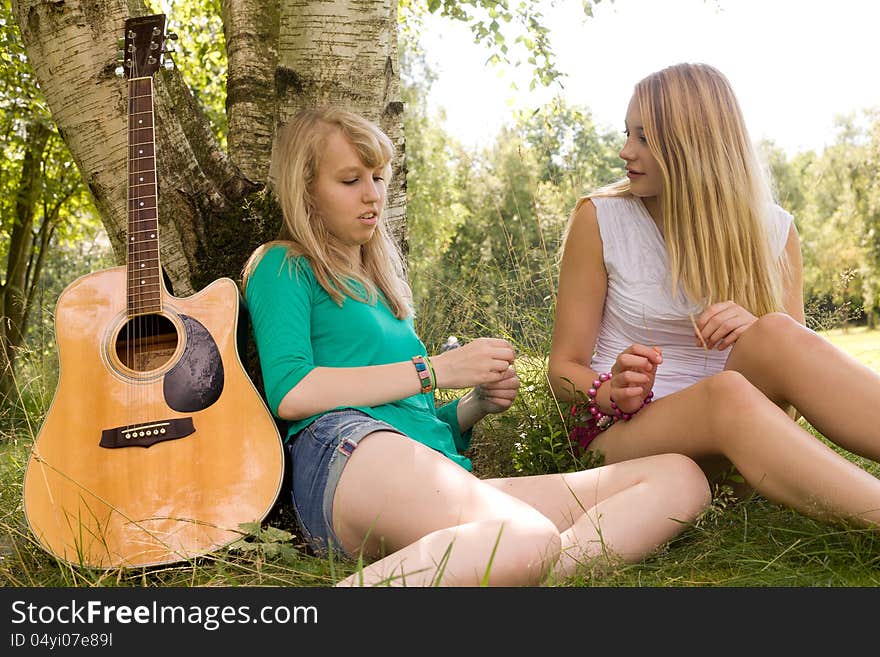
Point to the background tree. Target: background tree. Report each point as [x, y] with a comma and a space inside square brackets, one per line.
[870, 206]
[837, 215]
[435, 194]
[43, 205]
[497, 264]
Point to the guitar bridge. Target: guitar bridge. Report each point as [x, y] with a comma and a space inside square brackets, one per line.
[147, 434]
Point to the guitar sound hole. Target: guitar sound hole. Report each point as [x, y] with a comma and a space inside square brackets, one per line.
[146, 342]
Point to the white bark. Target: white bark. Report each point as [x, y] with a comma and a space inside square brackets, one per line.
[251, 33]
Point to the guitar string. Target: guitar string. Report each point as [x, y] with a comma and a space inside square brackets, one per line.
[132, 239]
[149, 318]
[154, 224]
[144, 342]
[141, 320]
[135, 251]
[153, 319]
[136, 246]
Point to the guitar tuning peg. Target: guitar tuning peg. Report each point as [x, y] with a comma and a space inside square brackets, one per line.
[120, 55]
[120, 43]
[168, 63]
[172, 36]
[119, 71]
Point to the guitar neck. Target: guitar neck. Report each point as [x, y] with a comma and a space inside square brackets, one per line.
[144, 283]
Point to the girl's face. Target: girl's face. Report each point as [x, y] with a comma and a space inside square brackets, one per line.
[349, 196]
[645, 178]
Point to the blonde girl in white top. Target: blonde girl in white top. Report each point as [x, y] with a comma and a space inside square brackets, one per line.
[680, 314]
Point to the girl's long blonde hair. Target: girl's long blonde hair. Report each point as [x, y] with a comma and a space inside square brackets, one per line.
[296, 156]
[716, 202]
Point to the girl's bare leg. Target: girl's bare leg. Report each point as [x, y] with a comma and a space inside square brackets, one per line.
[728, 416]
[439, 523]
[794, 365]
[617, 512]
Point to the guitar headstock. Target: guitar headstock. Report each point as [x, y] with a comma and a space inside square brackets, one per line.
[143, 46]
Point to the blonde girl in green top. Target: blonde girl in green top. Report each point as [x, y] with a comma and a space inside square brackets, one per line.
[377, 471]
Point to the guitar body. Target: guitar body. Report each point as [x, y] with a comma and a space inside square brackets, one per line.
[157, 445]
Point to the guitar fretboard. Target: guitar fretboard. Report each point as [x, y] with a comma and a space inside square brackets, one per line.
[144, 290]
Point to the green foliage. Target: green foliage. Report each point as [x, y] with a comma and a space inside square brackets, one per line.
[502, 225]
[267, 542]
[513, 33]
[434, 193]
[21, 105]
[835, 197]
[200, 54]
[535, 433]
[484, 231]
[571, 153]
[49, 231]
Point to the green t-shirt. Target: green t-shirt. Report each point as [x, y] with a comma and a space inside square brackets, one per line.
[298, 327]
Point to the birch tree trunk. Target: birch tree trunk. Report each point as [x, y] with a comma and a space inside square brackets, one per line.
[282, 54]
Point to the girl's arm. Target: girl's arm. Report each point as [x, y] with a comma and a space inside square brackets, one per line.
[324, 388]
[793, 286]
[583, 284]
[793, 289]
[484, 360]
[580, 299]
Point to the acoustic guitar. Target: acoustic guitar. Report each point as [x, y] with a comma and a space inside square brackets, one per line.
[157, 445]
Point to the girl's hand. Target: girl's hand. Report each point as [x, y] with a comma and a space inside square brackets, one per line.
[481, 361]
[632, 376]
[497, 397]
[721, 324]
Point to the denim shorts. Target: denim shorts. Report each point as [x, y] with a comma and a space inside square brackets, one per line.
[318, 455]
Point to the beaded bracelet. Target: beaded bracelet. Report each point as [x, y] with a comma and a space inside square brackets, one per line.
[431, 370]
[424, 374]
[597, 421]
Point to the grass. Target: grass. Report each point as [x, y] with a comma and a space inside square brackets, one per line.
[739, 543]
[858, 342]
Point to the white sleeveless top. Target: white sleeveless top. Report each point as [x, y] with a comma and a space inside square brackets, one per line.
[639, 306]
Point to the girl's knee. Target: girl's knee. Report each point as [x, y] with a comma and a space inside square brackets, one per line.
[544, 535]
[693, 484]
[770, 329]
[729, 395]
[684, 481]
[726, 385]
[527, 549]
[777, 322]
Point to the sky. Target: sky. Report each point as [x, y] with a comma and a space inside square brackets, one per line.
[794, 64]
